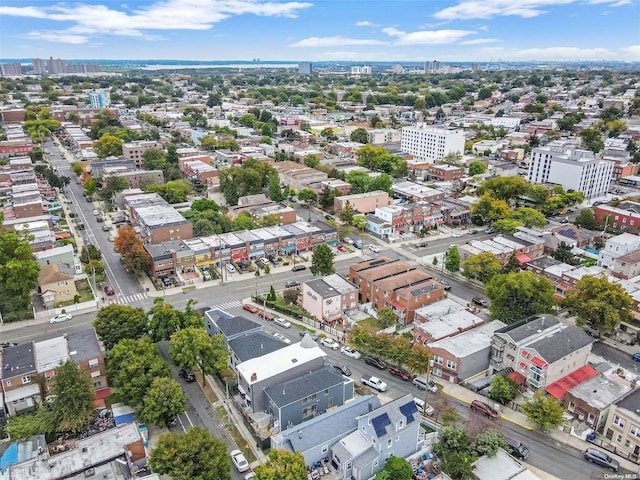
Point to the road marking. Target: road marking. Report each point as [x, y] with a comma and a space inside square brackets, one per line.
[188, 418]
[222, 306]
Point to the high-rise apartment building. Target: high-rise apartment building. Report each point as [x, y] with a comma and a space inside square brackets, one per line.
[10, 69]
[361, 70]
[431, 144]
[39, 66]
[305, 68]
[99, 99]
[432, 67]
[574, 169]
[56, 66]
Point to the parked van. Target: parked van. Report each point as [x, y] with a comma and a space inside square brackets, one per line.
[423, 384]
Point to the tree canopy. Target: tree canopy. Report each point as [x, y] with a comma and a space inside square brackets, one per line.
[282, 465]
[165, 319]
[322, 261]
[193, 347]
[163, 400]
[544, 410]
[482, 266]
[19, 272]
[516, 296]
[73, 406]
[116, 322]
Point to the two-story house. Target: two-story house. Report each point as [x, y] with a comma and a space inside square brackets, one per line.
[329, 297]
[56, 284]
[539, 350]
[20, 386]
[618, 246]
[622, 429]
[391, 430]
[312, 394]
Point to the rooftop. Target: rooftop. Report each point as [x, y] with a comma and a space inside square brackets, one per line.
[288, 392]
[50, 354]
[18, 360]
[600, 391]
[158, 216]
[561, 342]
[468, 343]
[231, 327]
[83, 345]
[525, 328]
[254, 344]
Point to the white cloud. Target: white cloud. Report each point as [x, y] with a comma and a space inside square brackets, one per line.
[58, 37]
[90, 20]
[479, 41]
[314, 42]
[632, 52]
[366, 23]
[467, 9]
[426, 37]
[549, 53]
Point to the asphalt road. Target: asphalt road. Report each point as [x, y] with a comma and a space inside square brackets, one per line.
[616, 356]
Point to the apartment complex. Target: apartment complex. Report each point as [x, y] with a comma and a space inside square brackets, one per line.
[99, 98]
[135, 150]
[362, 202]
[578, 170]
[329, 297]
[431, 144]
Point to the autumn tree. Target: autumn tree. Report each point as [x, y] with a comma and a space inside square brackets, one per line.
[193, 347]
[282, 465]
[598, 303]
[164, 399]
[194, 455]
[116, 322]
[134, 256]
[482, 266]
[516, 296]
[544, 410]
[107, 146]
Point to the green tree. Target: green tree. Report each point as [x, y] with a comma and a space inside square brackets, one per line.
[322, 261]
[386, 317]
[477, 168]
[488, 443]
[529, 217]
[516, 296]
[308, 196]
[502, 390]
[592, 139]
[214, 100]
[359, 181]
[89, 186]
[112, 185]
[458, 465]
[587, 220]
[132, 365]
[282, 465]
[599, 303]
[326, 197]
[275, 191]
[346, 214]
[194, 455]
[488, 209]
[116, 322]
[382, 182]
[193, 347]
[107, 146]
[244, 221]
[483, 266]
[311, 161]
[43, 421]
[164, 399]
[452, 262]
[165, 319]
[73, 393]
[359, 135]
[18, 274]
[544, 410]
[506, 226]
[154, 159]
[505, 188]
[398, 468]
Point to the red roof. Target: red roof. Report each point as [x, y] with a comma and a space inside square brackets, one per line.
[524, 258]
[104, 393]
[397, 305]
[559, 388]
[563, 286]
[539, 362]
[523, 365]
[517, 378]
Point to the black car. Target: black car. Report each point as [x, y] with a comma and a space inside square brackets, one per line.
[8, 344]
[518, 450]
[188, 376]
[375, 362]
[343, 369]
[328, 217]
[292, 283]
[171, 421]
[480, 302]
[420, 245]
[445, 284]
[298, 268]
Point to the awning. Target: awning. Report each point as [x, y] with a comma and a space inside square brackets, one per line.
[523, 365]
[563, 286]
[333, 242]
[398, 306]
[523, 258]
[103, 393]
[517, 378]
[539, 362]
[288, 249]
[241, 390]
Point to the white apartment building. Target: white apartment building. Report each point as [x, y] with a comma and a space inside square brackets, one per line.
[361, 70]
[431, 144]
[579, 170]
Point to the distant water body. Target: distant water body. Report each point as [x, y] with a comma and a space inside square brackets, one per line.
[214, 65]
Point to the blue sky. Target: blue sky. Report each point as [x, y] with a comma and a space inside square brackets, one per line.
[322, 30]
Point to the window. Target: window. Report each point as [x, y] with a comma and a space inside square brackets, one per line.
[618, 438]
[438, 360]
[309, 412]
[325, 449]
[389, 442]
[26, 379]
[634, 430]
[451, 365]
[618, 421]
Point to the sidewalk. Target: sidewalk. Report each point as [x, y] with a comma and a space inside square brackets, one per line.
[507, 414]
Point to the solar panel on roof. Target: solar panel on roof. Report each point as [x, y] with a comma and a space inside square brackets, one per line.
[408, 409]
[380, 424]
[569, 233]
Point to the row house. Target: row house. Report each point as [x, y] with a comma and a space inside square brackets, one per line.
[141, 178]
[617, 247]
[340, 187]
[444, 173]
[10, 148]
[504, 247]
[622, 428]
[327, 298]
[549, 268]
[411, 217]
[571, 277]
[181, 256]
[362, 202]
[539, 350]
[396, 285]
[455, 212]
[199, 171]
[415, 192]
[626, 216]
[442, 319]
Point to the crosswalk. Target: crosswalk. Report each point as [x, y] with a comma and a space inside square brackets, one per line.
[127, 299]
[224, 306]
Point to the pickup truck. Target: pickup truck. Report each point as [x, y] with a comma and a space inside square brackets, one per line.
[374, 382]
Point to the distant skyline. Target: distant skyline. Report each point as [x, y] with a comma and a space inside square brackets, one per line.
[323, 30]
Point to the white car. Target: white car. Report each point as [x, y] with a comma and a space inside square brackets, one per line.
[347, 240]
[281, 337]
[456, 234]
[350, 352]
[282, 322]
[328, 342]
[239, 461]
[230, 268]
[374, 248]
[421, 406]
[63, 317]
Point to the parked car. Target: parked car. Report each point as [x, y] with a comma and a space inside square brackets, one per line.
[423, 407]
[636, 357]
[291, 284]
[8, 344]
[281, 337]
[343, 369]
[62, 317]
[600, 458]
[95, 212]
[313, 335]
[342, 249]
[350, 352]
[456, 234]
[473, 231]
[298, 268]
[105, 228]
[490, 230]
[249, 308]
[171, 421]
[424, 384]
[328, 217]
[374, 248]
[400, 373]
[480, 302]
[330, 343]
[375, 362]
[357, 245]
[99, 219]
[239, 461]
[230, 268]
[482, 408]
[518, 449]
[187, 375]
[445, 284]
[108, 289]
[347, 240]
[421, 245]
[266, 315]
[281, 322]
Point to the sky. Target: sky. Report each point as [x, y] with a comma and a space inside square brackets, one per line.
[322, 30]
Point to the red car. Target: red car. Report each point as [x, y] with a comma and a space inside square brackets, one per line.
[341, 248]
[402, 374]
[482, 408]
[249, 308]
[108, 289]
[265, 315]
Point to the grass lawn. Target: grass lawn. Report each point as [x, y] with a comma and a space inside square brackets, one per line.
[370, 323]
[83, 290]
